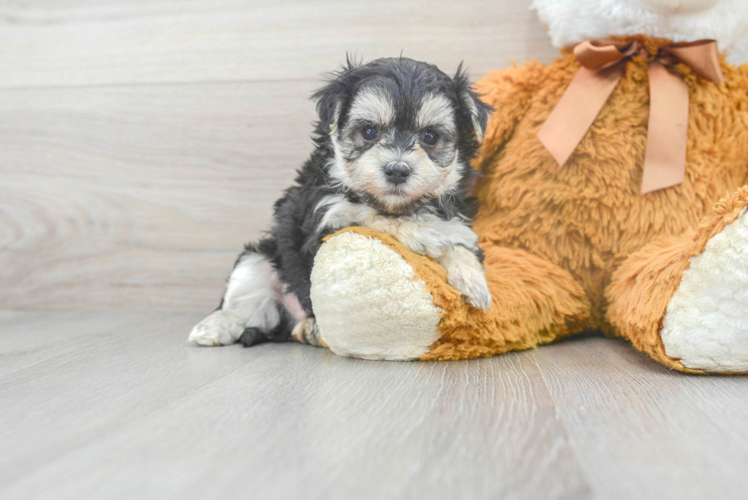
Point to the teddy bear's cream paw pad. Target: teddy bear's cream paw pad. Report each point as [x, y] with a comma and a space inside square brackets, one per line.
[367, 302]
[706, 323]
[219, 328]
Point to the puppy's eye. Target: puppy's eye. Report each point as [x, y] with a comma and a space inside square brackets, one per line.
[369, 133]
[430, 138]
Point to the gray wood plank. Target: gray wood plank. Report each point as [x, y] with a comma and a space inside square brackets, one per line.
[23, 331]
[28, 338]
[133, 411]
[641, 431]
[146, 416]
[140, 197]
[79, 42]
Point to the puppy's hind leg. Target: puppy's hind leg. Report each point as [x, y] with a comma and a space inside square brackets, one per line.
[307, 332]
[251, 303]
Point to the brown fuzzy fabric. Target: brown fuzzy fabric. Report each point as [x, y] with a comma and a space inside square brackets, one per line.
[534, 302]
[588, 217]
[579, 247]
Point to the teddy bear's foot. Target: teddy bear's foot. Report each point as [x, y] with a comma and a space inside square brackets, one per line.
[684, 300]
[706, 323]
[368, 301]
[373, 298]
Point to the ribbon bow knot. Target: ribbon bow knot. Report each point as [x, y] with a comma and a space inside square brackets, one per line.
[602, 67]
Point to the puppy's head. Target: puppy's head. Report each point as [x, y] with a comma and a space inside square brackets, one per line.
[402, 131]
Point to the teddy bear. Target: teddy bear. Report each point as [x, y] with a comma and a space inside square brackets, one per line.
[612, 194]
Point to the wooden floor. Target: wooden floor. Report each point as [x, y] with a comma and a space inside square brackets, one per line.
[117, 405]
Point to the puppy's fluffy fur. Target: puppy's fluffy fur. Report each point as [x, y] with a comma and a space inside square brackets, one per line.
[393, 145]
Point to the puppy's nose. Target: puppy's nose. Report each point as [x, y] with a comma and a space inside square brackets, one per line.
[397, 172]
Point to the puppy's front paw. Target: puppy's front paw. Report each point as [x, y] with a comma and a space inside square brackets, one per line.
[471, 283]
[466, 274]
[220, 328]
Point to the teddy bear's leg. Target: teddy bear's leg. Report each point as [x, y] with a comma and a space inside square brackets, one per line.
[375, 299]
[684, 301]
[368, 303]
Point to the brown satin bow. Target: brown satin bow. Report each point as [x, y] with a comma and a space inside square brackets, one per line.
[602, 68]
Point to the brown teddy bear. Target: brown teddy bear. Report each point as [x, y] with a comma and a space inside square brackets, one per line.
[613, 197]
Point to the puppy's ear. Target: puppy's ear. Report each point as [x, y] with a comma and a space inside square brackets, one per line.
[330, 97]
[470, 103]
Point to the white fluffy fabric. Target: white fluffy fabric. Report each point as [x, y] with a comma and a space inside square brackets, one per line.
[367, 302]
[706, 323]
[572, 21]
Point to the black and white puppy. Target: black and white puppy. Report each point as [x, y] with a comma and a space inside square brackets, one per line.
[393, 145]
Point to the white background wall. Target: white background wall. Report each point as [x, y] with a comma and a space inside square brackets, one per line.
[142, 142]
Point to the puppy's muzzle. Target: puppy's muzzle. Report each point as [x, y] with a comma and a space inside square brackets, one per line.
[397, 172]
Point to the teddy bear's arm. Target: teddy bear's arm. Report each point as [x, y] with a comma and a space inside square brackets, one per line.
[509, 91]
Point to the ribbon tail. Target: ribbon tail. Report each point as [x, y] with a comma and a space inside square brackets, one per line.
[667, 132]
[576, 111]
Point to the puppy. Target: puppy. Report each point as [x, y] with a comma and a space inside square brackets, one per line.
[393, 145]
